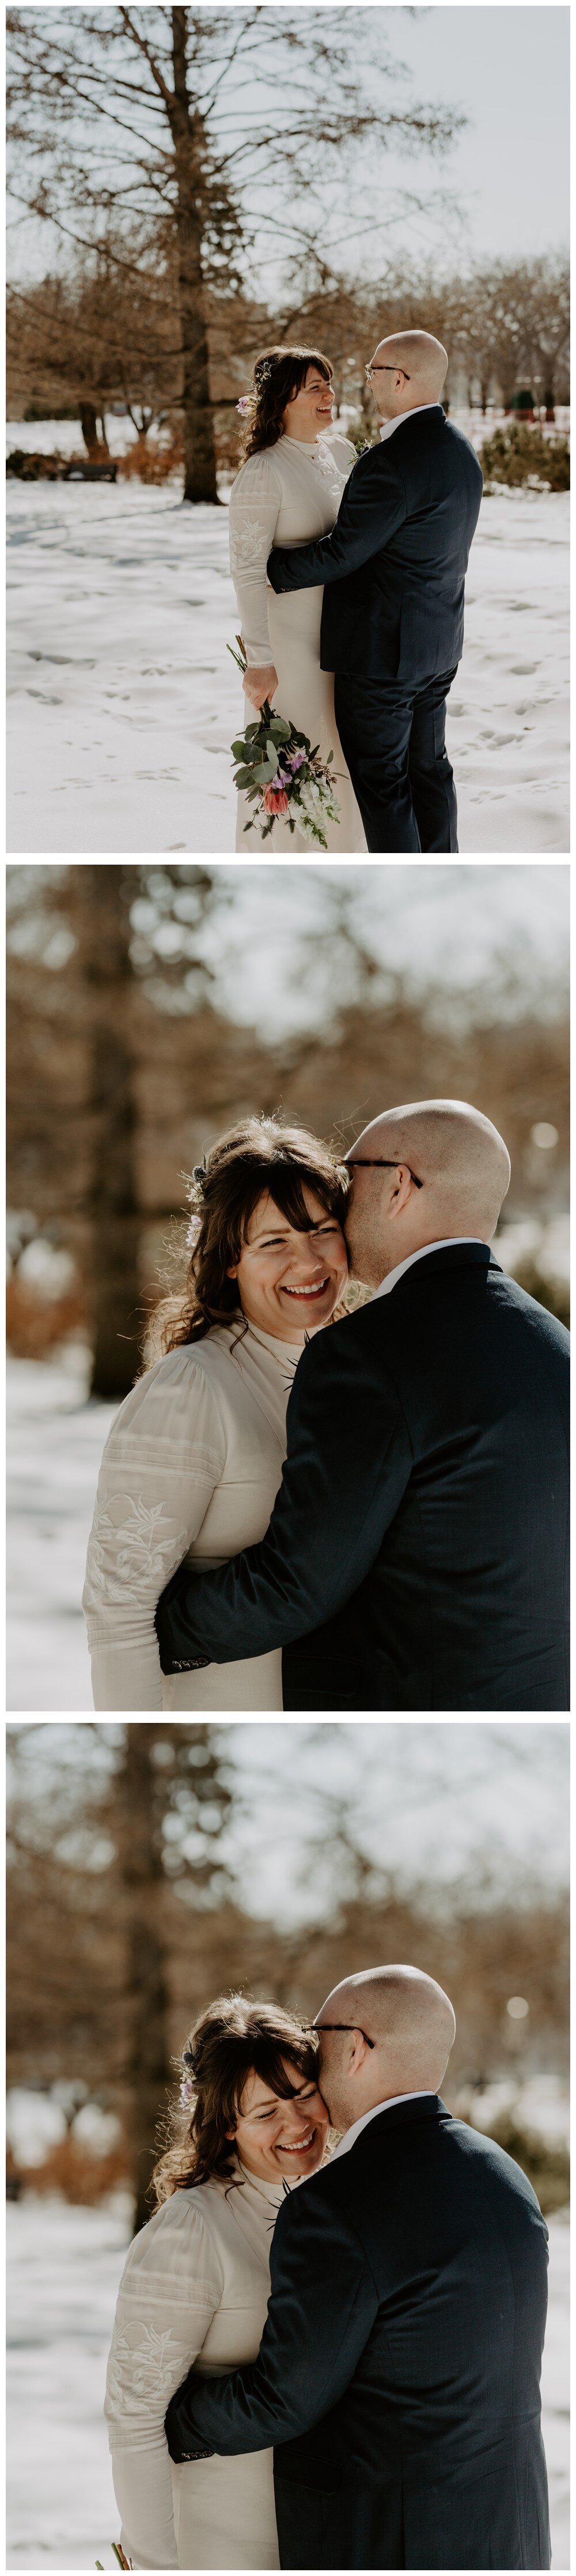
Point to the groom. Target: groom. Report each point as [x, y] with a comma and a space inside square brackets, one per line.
[398, 2376]
[416, 1554]
[393, 611]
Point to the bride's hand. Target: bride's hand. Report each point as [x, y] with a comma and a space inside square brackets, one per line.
[259, 685]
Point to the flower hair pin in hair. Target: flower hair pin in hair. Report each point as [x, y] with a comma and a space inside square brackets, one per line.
[199, 1173]
[245, 402]
[187, 2084]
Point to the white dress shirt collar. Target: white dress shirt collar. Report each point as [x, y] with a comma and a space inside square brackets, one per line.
[444, 1245]
[349, 2139]
[389, 425]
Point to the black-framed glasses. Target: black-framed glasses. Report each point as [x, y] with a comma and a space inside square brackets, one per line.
[379, 1163]
[342, 2025]
[386, 371]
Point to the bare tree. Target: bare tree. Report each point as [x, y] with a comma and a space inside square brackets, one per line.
[94, 1865]
[512, 326]
[113, 109]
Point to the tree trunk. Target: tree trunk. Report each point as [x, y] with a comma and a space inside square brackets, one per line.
[114, 1221]
[88, 425]
[187, 136]
[148, 2069]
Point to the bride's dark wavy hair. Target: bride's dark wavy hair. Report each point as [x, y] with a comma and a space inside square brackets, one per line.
[258, 1155]
[277, 375]
[232, 2036]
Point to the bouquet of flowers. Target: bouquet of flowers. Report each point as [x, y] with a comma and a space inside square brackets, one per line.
[281, 774]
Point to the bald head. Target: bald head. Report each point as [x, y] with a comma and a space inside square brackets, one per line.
[409, 369]
[461, 1163]
[411, 2024]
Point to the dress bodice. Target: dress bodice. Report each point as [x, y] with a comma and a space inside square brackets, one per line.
[283, 496]
[190, 1470]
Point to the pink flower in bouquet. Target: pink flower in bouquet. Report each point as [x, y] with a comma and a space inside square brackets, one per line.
[296, 759]
[275, 800]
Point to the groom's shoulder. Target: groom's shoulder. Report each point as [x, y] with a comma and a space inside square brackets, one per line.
[342, 1346]
[457, 440]
[548, 1327]
[376, 461]
[322, 2202]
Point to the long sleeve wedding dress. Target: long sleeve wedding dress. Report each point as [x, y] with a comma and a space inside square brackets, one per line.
[284, 496]
[191, 1469]
[194, 2293]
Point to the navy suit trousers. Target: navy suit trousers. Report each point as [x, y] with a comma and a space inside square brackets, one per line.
[393, 739]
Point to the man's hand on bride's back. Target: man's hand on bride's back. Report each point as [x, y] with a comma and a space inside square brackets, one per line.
[259, 685]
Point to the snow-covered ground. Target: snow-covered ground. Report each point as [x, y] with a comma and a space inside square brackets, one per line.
[63, 2270]
[124, 701]
[56, 1443]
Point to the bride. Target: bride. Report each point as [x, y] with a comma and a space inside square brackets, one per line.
[196, 2284]
[289, 490]
[194, 1458]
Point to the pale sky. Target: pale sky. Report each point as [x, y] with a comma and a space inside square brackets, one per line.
[451, 1805]
[450, 929]
[508, 69]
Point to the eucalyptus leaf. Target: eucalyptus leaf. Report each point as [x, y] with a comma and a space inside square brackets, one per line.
[238, 750]
[266, 771]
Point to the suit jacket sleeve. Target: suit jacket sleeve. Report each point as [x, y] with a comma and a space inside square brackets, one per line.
[349, 1459]
[320, 2314]
[372, 508]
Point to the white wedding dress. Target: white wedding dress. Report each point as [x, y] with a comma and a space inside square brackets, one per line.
[193, 2295]
[285, 496]
[191, 1469]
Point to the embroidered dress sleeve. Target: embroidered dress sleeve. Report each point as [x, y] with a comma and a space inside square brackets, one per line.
[170, 2289]
[163, 1458]
[253, 514]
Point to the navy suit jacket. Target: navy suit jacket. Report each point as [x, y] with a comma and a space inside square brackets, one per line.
[417, 1553]
[399, 2371]
[393, 568]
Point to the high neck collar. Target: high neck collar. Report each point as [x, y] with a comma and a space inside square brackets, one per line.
[245, 1333]
[309, 443]
[272, 2192]
[280, 1349]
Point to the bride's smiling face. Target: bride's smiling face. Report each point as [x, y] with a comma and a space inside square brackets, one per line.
[277, 2139]
[290, 1282]
[309, 410]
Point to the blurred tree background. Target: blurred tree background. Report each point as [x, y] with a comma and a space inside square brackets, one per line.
[130, 1046]
[91, 343]
[151, 1866]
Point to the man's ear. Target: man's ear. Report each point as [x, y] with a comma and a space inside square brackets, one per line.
[359, 2050]
[401, 1192]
